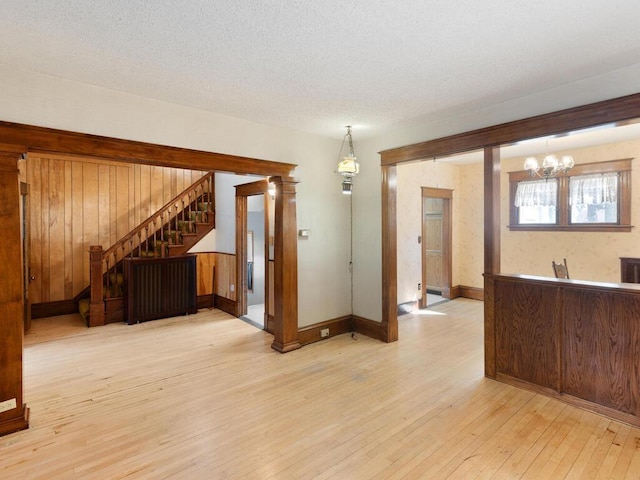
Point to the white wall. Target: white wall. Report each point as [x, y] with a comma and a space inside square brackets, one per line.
[323, 279]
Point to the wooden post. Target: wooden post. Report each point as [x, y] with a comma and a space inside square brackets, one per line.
[96, 307]
[285, 335]
[389, 325]
[16, 414]
[491, 253]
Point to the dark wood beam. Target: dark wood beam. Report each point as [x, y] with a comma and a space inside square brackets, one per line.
[31, 138]
[608, 111]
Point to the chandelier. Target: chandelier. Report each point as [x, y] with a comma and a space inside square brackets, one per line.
[347, 167]
[551, 166]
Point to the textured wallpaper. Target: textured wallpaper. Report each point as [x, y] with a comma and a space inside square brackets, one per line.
[590, 255]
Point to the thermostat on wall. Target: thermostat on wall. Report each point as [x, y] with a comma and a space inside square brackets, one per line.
[304, 233]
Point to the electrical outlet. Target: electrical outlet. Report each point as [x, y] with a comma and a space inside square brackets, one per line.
[232, 287]
[324, 332]
[7, 405]
[419, 287]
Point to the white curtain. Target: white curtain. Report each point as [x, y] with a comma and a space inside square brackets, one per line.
[594, 189]
[537, 193]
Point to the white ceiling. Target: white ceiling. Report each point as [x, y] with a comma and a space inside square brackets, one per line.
[319, 65]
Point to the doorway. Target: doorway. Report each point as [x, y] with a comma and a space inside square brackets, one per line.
[256, 271]
[252, 249]
[436, 245]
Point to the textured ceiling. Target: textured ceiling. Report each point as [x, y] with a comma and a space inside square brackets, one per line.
[319, 65]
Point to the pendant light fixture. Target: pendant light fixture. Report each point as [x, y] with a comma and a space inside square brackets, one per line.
[347, 166]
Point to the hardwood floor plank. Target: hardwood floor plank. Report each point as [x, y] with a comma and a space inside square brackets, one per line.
[606, 466]
[205, 397]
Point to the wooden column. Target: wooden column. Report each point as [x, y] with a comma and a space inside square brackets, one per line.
[16, 414]
[96, 307]
[285, 335]
[389, 326]
[491, 253]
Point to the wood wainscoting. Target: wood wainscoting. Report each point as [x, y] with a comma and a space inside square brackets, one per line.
[574, 340]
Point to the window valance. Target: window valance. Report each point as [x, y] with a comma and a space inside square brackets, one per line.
[537, 193]
[593, 189]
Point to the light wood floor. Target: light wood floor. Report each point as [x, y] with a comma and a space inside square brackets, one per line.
[205, 397]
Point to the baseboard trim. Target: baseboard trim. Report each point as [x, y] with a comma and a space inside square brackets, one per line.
[52, 309]
[336, 326]
[366, 327]
[205, 301]
[226, 305]
[474, 293]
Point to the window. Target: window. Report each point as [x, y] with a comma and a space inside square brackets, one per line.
[594, 198]
[537, 201]
[591, 197]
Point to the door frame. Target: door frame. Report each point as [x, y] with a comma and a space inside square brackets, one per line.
[244, 191]
[447, 196]
[26, 254]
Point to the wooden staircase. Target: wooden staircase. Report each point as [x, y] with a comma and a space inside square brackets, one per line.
[171, 231]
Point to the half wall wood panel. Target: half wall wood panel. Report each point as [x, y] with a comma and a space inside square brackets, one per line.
[225, 281]
[206, 264]
[526, 320]
[77, 202]
[578, 341]
[602, 347]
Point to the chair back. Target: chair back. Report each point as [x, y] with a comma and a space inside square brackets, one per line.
[560, 269]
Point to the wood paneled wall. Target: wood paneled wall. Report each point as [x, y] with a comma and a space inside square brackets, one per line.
[205, 271]
[225, 282]
[76, 202]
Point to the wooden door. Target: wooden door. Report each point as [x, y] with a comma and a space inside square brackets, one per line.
[433, 245]
[436, 243]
